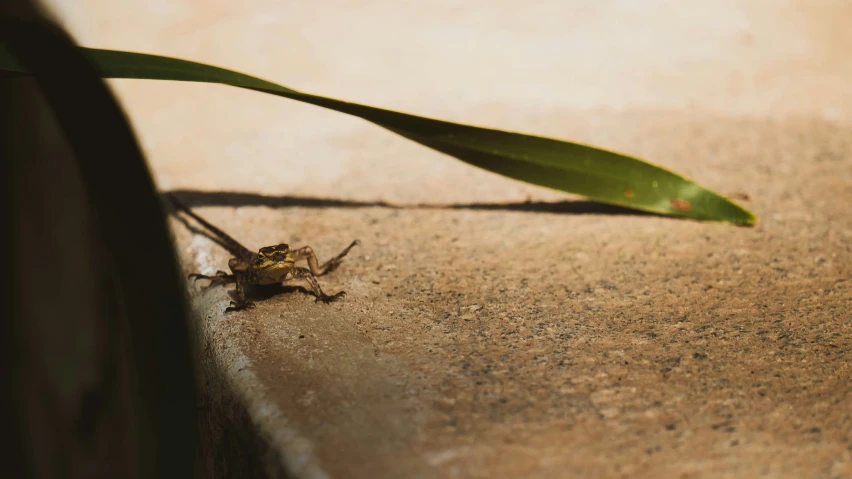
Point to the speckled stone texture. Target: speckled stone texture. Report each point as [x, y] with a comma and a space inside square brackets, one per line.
[494, 329]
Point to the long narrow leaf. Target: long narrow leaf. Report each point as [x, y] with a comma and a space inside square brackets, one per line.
[595, 173]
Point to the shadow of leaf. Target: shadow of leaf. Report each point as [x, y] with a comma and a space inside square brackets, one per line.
[227, 198]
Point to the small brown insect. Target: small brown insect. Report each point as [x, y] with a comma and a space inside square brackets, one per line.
[740, 196]
[270, 265]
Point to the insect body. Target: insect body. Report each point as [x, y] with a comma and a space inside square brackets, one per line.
[270, 265]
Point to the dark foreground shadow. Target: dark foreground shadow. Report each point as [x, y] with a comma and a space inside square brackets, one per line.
[572, 207]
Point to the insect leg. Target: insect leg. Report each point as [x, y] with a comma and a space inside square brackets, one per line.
[304, 273]
[307, 252]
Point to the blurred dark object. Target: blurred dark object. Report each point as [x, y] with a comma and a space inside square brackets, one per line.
[96, 362]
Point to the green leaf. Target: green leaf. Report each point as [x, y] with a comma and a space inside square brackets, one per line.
[595, 173]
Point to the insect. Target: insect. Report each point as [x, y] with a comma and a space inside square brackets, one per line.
[270, 265]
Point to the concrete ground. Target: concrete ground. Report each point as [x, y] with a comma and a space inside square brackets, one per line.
[495, 329]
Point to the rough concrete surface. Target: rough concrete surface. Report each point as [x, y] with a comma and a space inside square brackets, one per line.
[494, 329]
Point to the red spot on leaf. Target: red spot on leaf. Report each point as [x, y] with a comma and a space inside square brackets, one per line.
[629, 193]
[680, 204]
